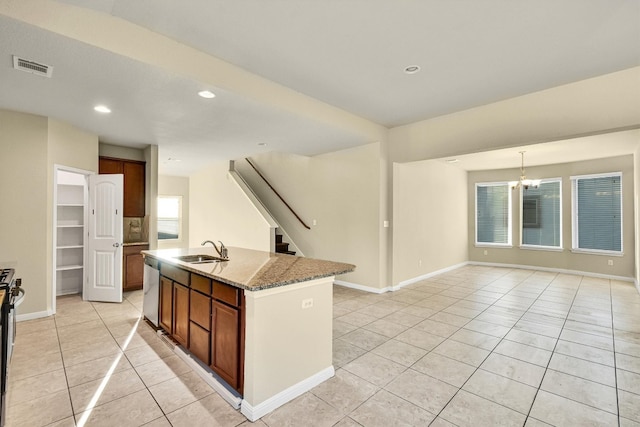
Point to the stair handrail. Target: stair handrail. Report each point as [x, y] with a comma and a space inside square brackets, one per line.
[277, 194]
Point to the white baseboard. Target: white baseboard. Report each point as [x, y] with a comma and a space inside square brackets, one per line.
[362, 287]
[253, 413]
[427, 276]
[232, 399]
[554, 270]
[31, 316]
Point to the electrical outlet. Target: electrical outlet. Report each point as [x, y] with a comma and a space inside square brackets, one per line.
[315, 222]
[610, 262]
[307, 303]
[486, 252]
[419, 263]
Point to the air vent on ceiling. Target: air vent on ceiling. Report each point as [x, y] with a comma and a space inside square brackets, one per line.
[32, 67]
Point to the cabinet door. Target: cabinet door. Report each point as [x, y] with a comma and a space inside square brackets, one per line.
[181, 314]
[199, 344]
[110, 166]
[200, 310]
[134, 189]
[133, 267]
[166, 304]
[225, 342]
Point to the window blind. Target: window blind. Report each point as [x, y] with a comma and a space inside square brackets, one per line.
[599, 213]
[541, 215]
[493, 210]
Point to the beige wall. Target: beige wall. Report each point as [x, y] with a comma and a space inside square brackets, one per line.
[342, 192]
[219, 210]
[636, 201]
[176, 186]
[31, 145]
[24, 218]
[624, 266]
[430, 218]
[283, 349]
[590, 106]
[70, 147]
[120, 152]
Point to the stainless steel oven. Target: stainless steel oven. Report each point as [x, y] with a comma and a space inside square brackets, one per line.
[12, 296]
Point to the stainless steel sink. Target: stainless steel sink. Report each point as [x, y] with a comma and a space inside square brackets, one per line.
[200, 259]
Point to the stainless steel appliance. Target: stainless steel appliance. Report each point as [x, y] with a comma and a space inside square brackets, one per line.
[151, 290]
[13, 296]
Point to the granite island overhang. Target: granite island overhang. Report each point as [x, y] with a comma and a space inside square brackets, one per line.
[284, 312]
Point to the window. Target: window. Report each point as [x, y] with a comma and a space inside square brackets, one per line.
[493, 214]
[541, 215]
[169, 217]
[597, 213]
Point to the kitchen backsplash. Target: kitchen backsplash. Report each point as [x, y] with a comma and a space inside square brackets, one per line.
[136, 229]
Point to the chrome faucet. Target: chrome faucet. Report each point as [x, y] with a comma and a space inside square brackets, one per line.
[223, 252]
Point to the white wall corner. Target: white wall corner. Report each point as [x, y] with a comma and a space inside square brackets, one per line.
[427, 276]
[35, 315]
[362, 287]
[253, 413]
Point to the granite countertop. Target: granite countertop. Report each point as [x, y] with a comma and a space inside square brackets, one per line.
[135, 243]
[253, 270]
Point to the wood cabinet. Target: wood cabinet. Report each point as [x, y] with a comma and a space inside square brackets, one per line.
[133, 267]
[166, 304]
[207, 318]
[134, 199]
[225, 345]
[200, 327]
[181, 314]
[134, 183]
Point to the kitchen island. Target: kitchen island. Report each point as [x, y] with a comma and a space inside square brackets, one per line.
[261, 321]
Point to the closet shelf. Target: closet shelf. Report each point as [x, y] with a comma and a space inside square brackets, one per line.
[68, 267]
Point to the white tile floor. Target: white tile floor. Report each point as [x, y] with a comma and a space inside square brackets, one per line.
[477, 346]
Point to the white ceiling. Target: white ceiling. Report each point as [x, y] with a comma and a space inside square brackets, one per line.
[346, 53]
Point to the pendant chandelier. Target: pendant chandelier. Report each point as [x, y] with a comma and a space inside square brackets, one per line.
[524, 182]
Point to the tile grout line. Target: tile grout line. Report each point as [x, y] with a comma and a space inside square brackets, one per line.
[554, 350]
[491, 352]
[64, 367]
[615, 359]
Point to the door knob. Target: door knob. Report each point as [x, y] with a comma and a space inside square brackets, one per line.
[116, 245]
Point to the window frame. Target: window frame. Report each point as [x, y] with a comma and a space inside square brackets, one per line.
[528, 246]
[574, 216]
[180, 213]
[509, 243]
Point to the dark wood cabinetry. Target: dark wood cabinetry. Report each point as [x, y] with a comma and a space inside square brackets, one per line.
[207, 318]
[181, 314]
[166, 304]
[134, 183]
[133, 267]
[225, 346]
[134, 199]
[200, 326]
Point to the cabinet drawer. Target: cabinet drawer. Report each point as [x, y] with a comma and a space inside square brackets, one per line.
[226, 293]
[199, 342]
[201, 283]
[200, 312]
[177, 274]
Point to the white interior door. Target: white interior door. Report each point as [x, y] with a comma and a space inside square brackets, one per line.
[104, 269]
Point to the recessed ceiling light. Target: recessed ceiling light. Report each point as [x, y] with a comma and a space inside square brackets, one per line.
[102, 109]
[452, 161]
[412, 69]
[173, 159]
[262, 144]
[207, 94]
